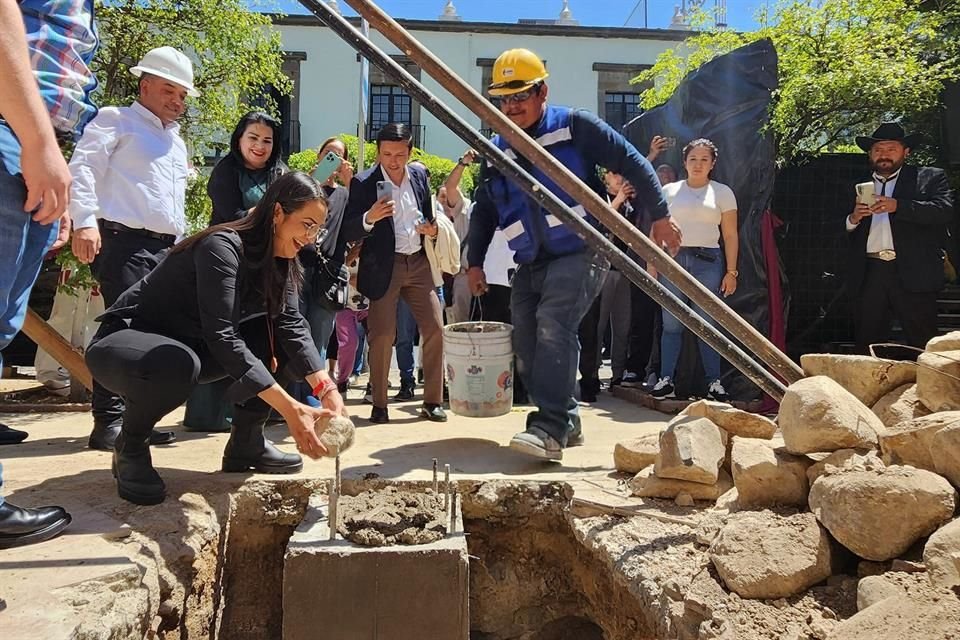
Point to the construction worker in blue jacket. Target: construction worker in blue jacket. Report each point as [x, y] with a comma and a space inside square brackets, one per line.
[558, 275]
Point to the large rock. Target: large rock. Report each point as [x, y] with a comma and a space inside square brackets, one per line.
[878, 515]
[732, 420]
[845, 460]
[911, 442]
[946, 342]
[873, 589]
[900, 405]
[938, 386]
[867, 378]
[945, 451]
[691, 449]
[636, 453]
[817, 414]
[765, 477]
[760, 554]
[646, 485]
[941, 555]
[902, 617]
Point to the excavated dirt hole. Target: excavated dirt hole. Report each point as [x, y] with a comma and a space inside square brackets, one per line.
[529, 577]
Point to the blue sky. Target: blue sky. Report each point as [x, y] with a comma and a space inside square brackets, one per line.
[608, 13]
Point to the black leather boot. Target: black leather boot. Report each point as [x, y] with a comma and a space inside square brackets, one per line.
[137, 481]
[248, 449]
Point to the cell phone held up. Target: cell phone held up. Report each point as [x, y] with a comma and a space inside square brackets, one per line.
[384, 190]
[866, 194]
[327, 165]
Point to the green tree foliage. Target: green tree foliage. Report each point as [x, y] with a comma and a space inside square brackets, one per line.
[439, 167]
[844, 66]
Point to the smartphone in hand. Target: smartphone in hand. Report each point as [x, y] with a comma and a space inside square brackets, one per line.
[330, 163]
[866, 194]
[384, 190]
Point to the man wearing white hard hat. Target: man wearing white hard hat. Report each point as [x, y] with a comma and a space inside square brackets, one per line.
[128, 197]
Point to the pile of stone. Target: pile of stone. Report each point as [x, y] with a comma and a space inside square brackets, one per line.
[863, 462]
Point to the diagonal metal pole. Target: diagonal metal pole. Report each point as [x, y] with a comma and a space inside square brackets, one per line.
[768, 382]
[765, 350]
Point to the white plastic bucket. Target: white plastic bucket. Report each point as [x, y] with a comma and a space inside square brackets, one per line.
[479, 358]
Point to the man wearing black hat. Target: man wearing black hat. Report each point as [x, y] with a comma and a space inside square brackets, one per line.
[898, 231]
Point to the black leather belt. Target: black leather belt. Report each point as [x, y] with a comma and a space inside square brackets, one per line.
[110, 225]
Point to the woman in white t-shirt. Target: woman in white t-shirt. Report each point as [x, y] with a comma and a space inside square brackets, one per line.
[704, 209]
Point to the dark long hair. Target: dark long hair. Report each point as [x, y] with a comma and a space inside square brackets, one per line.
[265, 274]
[257, 117]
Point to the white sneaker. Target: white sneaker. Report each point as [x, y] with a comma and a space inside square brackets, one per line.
[630, 379]
[663, 389]
[716, 392]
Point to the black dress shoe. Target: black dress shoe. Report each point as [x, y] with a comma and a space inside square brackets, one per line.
[433, 412]
[19, 526]
[104, 438]
[11, 436]
[406, 391]
[379, 415]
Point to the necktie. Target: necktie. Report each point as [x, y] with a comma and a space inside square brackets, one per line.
[883, 185]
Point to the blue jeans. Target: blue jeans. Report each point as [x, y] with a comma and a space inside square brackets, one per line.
[548, 300]
[710, 274]
[406, 334]
[23, 243]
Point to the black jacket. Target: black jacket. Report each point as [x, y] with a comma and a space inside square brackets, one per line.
[224, 188]
[379, 246]
[919, 226]
[197, 297]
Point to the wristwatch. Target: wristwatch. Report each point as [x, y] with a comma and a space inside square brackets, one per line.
[734, 273]
[462, 163]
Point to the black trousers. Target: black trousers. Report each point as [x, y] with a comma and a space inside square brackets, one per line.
[882, 297]
[590, 344]
[643, 314]
[155, 374]
[123, 260]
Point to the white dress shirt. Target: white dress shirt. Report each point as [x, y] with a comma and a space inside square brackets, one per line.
[129, 168]
[406, 216]
[880, 236]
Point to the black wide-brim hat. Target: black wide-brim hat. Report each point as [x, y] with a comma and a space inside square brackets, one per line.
[888, 132]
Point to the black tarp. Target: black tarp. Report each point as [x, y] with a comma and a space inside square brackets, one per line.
[727, 100]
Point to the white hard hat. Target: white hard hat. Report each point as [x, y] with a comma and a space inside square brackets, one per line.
[169, 64]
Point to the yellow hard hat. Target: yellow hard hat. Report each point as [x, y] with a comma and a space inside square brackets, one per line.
[516, 70]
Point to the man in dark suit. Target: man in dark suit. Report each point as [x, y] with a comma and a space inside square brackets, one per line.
[393, 264]
[896, 260]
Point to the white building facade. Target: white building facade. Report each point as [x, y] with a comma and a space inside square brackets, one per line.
[589, 67]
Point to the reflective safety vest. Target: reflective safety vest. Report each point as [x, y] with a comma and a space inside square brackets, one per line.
[527, 226]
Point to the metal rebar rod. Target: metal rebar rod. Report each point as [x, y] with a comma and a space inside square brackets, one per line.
[333, 497]
[436, 488]
[768, 382]
[446, 486]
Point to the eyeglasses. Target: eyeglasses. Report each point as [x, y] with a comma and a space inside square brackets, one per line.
[313, 231]
[521, 96]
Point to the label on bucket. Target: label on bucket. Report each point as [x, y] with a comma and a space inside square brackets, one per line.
[481, 391]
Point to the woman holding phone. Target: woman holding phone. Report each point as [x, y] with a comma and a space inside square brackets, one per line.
[704, 209]
[223, 304]
[242, 176]
[325, 259]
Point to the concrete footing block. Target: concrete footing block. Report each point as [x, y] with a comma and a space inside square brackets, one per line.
[337, 589]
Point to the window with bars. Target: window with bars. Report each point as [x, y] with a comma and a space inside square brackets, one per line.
[619, 108]
[389, 103]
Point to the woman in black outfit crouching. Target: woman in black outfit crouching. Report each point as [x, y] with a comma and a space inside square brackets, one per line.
[222, 304]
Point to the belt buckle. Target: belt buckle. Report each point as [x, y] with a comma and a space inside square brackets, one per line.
[887, 255]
